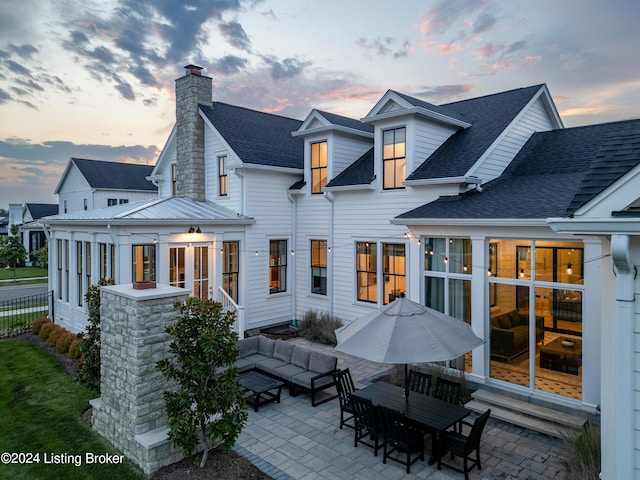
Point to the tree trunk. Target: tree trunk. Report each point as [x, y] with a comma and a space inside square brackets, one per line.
[205, 440]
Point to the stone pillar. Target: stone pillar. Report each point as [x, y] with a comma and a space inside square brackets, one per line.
[131, 413]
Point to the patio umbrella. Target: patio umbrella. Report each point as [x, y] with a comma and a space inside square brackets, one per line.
[404, 332]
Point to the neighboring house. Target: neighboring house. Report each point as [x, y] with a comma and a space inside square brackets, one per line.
[486, 209]
[27, 217]
[92, 184]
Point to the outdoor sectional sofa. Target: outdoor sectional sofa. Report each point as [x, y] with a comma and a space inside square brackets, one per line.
[510, 334]
[302, 369]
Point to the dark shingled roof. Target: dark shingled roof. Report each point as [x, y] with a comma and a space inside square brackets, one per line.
[441, 109]
[346, 121]
[358, 173]
[489, 116]
[553, 175]
[115, 175]
[39, 210]
[257, 137]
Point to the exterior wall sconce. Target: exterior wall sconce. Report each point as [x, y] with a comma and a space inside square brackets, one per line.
[194, 230]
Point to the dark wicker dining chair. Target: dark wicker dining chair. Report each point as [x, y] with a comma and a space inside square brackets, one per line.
[368, 428]
[419, 382]
[344, 386]
[401, 438]
[464, 446]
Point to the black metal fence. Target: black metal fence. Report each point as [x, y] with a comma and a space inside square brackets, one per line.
[17, 314]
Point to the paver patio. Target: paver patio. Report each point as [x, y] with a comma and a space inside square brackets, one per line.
[293, 440]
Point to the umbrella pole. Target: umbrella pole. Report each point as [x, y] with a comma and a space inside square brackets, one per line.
[406, 382]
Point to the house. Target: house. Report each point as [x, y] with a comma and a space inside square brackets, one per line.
[27, 217]
[486, 209]
[91, 184]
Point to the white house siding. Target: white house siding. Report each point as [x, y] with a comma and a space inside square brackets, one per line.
[74, 190]
[101, 197]
[270, 205]
[312, 223]
[534, 119]
[346, 150]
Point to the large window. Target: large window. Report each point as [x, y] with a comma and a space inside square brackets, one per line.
[277, 266]
[393, 261]
[366, 272]
[319, 267]
[60, 259]
[106, 253]
[201, 272]
[144, 263]
[223, 178]
[231, 268]
[447, 276]
[87, 264]
[318, 166]
[393, 158]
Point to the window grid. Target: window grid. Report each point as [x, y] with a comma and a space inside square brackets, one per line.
[231, 268]
[319, 267]
[277, 266]
[393, 158]
[318, 166]
[223, 178]
[366, 272]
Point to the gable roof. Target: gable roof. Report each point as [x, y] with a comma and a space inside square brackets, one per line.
[104, 175]
[489, 116]
[554, 174]
[39, 210]
[256, 137]
[347, 122]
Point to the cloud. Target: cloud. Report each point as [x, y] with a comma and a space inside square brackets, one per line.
[235, 35]
[444, 93]
[437, 20]
[286, 68]
[385, 46]
[229, 64]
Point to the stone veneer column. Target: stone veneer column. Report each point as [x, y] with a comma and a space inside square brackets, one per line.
[191, 90]
[131, 413]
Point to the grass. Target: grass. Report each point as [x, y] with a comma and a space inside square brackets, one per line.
[41, 408]
[23, 272]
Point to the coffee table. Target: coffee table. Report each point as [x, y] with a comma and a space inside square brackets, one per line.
[263, 389]
[555, 356]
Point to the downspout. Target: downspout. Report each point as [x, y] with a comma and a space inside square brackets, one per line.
[623, 353]
[240, 174]
[329, 197]
[294, 222]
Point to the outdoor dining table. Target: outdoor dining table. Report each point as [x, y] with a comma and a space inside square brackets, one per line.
[428, 413]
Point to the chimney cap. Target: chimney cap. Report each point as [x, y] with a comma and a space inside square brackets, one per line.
[192, 69]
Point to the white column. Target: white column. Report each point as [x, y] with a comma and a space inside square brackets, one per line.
[479, 313]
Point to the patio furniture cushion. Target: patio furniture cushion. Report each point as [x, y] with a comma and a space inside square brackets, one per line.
[266, 345]
[283, 350]
[249, 346]
[288, 371]
[322, 363]
[300, 357]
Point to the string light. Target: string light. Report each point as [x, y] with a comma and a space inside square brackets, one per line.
[522, 273]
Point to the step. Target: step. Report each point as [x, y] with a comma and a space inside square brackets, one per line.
[524, 421]
[527, 408]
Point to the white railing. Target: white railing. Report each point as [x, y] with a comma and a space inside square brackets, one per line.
[229, 305]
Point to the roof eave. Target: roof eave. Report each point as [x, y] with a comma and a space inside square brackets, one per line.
[595, 225]
[419, 111]
[257, 166]
[332, 128]
[348, 188]
[145, 222]
[472, 222]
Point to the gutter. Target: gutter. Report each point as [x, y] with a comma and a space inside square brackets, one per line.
[329, 197]
[294, 223]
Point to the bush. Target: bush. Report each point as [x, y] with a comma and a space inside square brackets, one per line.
[56, 332]
[582, 454]
[37, 324]
[45, 330]
[74, 347]
[64, 342]
[319, 327]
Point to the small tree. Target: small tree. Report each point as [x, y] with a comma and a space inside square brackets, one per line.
[89, 371]
[208, 403]
[12, 252]
[42, 255]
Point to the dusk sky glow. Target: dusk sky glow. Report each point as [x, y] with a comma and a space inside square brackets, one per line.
[95, 79]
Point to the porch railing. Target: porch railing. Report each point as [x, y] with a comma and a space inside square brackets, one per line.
[229, 305]
[17, 314]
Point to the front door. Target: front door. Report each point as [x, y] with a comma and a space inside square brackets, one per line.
[190, 268]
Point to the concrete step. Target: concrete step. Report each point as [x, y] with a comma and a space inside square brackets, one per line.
[525, 414]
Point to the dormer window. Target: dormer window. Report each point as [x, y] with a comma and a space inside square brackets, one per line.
[394, 162]
[223, 185]
[318, 166]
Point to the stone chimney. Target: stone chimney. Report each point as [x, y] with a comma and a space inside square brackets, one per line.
[191, 90]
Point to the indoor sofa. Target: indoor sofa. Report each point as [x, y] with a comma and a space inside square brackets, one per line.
[510, 334]
[302, 369]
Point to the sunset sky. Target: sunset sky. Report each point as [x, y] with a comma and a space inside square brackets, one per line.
[95, 79]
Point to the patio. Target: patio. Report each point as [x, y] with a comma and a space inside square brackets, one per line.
[293, 440]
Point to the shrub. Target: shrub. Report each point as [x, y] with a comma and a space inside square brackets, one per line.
[56, 332]
[64, 342]
[319, 327]
[37, 324]
[45, 330]
[582, 454]
[74, 347]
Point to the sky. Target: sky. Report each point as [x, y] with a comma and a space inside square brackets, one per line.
[95, 78]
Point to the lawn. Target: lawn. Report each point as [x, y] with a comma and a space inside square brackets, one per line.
[23, 272]
[41, 408]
